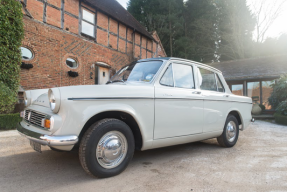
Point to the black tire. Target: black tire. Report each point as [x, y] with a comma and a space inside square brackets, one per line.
[89, 143]
[224, 139]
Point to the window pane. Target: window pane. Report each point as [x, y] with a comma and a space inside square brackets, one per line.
[237, 89]
[208, 80]
[26, 53]
[71, 63]
[167, 78]
[88, 29]
[266, 92]
[219, 84]
[88, 16]
[183, 76]
[253, 91]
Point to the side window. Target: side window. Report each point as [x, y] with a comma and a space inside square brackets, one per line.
[183, 76]
[220, 87]
[208, 80]
[167, 78]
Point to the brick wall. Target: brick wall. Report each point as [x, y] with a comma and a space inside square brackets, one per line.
[53, 34]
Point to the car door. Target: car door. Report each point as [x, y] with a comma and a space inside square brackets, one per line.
[216, 101]
[178, 104]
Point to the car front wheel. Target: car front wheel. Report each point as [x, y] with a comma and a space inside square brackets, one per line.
[230, 133]
[106, 148]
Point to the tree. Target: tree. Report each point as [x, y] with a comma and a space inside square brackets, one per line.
[12, 32]
[164, 16]
[200, 30]
[235, 26]
[266, 12]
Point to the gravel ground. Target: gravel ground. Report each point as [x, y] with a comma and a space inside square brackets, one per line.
[258, 162]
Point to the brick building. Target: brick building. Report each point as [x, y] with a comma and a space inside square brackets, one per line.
[90, 38]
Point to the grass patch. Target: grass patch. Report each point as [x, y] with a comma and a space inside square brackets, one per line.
[9, 121]
[281, 119]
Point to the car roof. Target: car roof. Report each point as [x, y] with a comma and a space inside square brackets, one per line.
[179, 59]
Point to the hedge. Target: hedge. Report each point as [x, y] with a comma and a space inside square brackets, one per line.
[9, 121]
[281, 119]
[11, 35]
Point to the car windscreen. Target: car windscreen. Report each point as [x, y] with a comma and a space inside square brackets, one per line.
[140, 71]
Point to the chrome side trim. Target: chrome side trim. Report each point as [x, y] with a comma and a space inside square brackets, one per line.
[116, 98]
[47, 139]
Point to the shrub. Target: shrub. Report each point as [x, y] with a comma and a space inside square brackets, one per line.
[262, 107]
[9, 121]
[282, 108]
[279, 92]
[12, 32]
[281, 119]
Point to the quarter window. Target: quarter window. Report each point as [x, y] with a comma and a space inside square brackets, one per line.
[88, 23]
[72, 63]
[167, 78]
[220, 87]
[26, 53]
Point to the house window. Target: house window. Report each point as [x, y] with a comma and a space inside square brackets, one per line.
[72, 63]
[26, 53]
[237, 89]
[253, 91]
[88, 23]
[266, 93]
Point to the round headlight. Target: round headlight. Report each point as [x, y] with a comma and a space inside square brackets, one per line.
[54, 99]
[27, 98]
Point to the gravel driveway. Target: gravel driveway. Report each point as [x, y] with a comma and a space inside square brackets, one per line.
[258, 162]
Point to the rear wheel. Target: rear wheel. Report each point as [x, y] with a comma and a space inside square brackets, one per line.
[230, 134]
[106, 148]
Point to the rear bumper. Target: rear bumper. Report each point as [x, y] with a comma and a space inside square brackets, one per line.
[47, 139]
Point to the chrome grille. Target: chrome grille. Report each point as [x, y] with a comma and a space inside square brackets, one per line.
[34, 118]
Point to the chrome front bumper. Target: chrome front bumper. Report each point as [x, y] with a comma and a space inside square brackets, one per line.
[47, 139]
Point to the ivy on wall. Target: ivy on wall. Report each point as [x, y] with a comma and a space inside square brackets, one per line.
[12, 33]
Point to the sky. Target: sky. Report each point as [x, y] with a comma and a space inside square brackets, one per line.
[278, 27]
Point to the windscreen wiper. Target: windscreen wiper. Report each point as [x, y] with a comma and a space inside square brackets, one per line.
[115, 81]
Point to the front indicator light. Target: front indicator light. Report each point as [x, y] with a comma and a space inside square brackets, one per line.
[46, 123]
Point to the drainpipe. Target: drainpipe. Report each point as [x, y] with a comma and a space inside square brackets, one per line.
[134, 38]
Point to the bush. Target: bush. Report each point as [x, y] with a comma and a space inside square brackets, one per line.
[281, 119]
[279, 92]
[262, 107]
[12, 32]
[9, 121]
[282, 108]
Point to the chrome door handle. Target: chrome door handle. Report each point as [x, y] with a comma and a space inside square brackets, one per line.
[225, 95]
[196, 92]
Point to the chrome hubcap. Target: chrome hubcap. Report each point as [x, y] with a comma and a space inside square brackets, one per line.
[111, 149]
[231, 131]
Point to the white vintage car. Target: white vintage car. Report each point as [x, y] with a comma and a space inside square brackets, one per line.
[148, 104]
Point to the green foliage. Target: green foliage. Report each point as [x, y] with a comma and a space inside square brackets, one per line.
[9, 121]
[281, 119]
[282, 108]
[200, 30]
[7, 98]
[235, 26]
[279, 92]
[12, 32]
[262, 107]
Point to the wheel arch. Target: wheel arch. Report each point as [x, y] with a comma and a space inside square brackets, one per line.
[237, 115]
[124, 116]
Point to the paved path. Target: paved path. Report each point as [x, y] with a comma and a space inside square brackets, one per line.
[257, 163]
